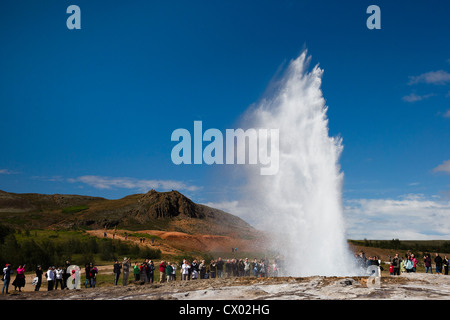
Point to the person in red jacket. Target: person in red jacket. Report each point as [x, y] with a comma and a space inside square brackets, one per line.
[391, 269]
[162, 270]
[19, 281]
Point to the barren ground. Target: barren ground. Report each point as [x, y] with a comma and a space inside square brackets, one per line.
[417, 286]
[175, 243]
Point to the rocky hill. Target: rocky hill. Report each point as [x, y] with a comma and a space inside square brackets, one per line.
[165, 211]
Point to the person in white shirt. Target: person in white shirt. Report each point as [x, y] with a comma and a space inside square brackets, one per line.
[58, 277]
[50, 275]
[185, 270]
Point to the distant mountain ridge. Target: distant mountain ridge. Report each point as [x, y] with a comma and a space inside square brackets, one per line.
[168, 211]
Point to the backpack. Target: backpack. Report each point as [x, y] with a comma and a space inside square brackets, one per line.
[408, 264]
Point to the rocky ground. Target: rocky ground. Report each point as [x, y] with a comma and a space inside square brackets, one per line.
[417, 286]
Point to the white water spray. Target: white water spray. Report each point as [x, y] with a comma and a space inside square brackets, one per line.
[301, 205]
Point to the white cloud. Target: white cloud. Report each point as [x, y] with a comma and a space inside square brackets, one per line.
[6, 171]
[131, 183]
[49, 178]
[410, 217]
[443, 167]
[239, 209]
[446, 114]
[227, 206]
[413, 196]
[414, 97]
[439, 77]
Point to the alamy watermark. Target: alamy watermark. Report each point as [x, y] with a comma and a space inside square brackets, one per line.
[251, 146]
[74, 20]
[374, 279]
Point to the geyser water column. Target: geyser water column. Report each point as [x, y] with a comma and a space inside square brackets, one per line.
[301, 205]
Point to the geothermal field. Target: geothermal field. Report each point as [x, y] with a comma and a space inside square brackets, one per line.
[417, 286]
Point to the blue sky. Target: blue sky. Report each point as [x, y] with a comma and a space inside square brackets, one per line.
[91, 111]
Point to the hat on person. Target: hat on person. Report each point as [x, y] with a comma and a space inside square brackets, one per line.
[125, 258]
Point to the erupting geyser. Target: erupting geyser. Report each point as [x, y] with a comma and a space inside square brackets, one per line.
[301, 205]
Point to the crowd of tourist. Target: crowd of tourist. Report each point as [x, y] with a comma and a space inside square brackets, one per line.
[55, 276]
[408, 264]
[145, 271]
